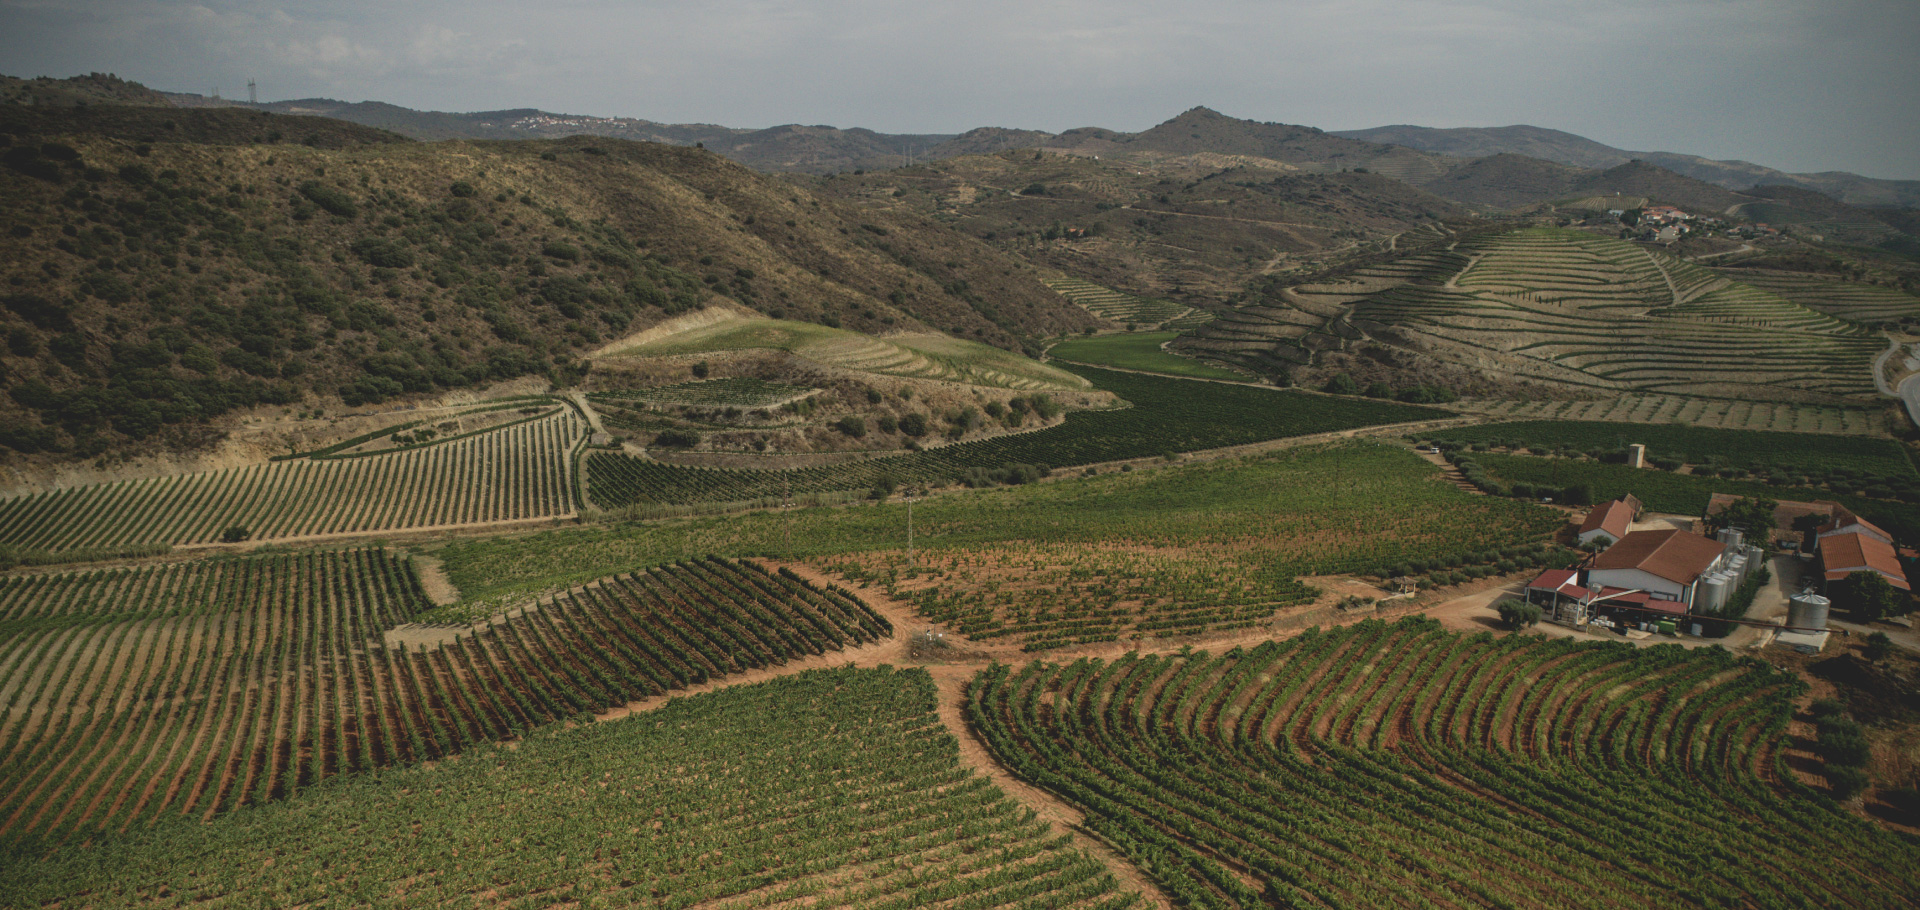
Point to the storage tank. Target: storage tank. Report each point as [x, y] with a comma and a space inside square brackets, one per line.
[1733, 538]
[1713, 592]
[1807, 611]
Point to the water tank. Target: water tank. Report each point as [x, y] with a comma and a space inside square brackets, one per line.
[1807, 611]
[1756, 557]
[1733, 538]
[1713, 592]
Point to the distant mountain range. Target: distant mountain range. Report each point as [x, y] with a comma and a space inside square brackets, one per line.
[825, 149]
[1579, 151]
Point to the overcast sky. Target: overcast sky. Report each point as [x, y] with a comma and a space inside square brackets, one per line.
[1802, 85]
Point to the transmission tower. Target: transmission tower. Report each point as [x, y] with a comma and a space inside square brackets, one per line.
[253, 97]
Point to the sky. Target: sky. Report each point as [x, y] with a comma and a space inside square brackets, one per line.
[1800, 85]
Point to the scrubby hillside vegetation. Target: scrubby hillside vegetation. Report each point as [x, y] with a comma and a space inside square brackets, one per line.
[164, 267]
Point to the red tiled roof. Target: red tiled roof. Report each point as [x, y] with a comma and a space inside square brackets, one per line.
[1842, 518]
[1844, 554]
[1561, 581]
[1613, 517]
[1675, 555]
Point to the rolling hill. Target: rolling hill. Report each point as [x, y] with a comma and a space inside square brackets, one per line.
[164, 267]
[1579, 151]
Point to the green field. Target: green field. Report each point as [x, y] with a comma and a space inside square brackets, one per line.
[1166, 416]
[1709, 413]
[1188, 546]
[1400, 765]
[836, 786]
[1141, 351]
[1801, 455]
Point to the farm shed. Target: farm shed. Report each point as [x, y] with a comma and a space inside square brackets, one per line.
[1842, 555]
[1559, 595]
[1667, 564]
[1609, 520]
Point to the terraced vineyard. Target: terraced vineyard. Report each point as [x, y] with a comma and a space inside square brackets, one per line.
[518, 472]
[909, 356]
[1835, 297]
[1168, 415]
[1699, 412]
[1571, 308]
[734, 392]
[1406, 766]
[1114, 306]
[833, 788]
[188, 689]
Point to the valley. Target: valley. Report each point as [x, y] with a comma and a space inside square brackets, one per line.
[518, 509]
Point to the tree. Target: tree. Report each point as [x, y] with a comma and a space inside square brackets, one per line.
[235, 534]
[1579, 494]
[853, 425]
[1343, 384]
[700, 370]
[1878, 646]
[1379, 390]
[1868, 597]
[1751, 514]
[1518, 614]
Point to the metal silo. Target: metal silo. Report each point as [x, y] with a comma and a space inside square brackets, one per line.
[1713, 592]
[1807, 611]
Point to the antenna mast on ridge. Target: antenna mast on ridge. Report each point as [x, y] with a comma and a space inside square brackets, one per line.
[253, 97]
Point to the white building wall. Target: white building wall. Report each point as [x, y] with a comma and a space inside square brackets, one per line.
[1635, 579]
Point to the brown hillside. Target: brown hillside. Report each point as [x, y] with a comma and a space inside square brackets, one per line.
[1170, 229]
[1505, 181]
[152, 285]
[77, 91]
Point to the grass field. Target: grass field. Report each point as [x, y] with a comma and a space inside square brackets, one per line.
[1175, 549]
[1400, 765]
[1140, 351]
[836, 788]
[1166, 416]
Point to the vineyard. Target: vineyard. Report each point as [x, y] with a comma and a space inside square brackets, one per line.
[1139, 351]
[1844, 299]
[1401, 766]
[1572, 309]
[1114, 306]
[731, 392]
[192, 688]
[517, 472]
[1798, 454]
[1213, 548]
[1698, 412]
[921, 356]
[1686, 494]
[1355, 507]
[827, 788]
[1168, 415]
